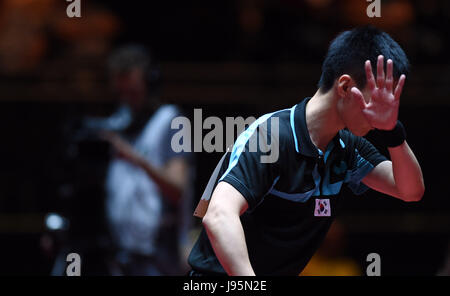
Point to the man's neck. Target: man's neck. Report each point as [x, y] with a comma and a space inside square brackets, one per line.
[322, 119]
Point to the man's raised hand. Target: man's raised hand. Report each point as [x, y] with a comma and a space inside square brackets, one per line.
[382, 110]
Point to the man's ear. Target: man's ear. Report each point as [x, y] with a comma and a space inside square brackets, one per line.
[344, 85]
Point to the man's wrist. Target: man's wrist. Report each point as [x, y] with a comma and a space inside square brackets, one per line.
[392, 138]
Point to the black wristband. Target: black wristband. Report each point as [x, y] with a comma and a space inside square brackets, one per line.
[392, 138]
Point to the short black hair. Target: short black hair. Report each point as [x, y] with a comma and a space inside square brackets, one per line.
[349, 51]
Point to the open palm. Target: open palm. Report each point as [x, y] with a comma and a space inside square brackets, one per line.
[382, 110]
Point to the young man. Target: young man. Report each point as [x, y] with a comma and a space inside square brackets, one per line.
[269, 218]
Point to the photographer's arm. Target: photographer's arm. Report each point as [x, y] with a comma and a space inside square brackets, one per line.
[171, 179]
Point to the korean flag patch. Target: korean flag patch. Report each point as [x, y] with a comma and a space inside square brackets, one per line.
[323, 208]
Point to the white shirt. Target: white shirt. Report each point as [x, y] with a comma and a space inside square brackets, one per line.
[134, 203]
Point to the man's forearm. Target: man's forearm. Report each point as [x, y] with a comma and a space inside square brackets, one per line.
[227, 238]
[407, 172]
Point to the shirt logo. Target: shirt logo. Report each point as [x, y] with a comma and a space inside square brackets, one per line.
[322, 208]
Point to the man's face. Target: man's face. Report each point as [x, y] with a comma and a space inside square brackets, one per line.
[350, 110]
[351, 113]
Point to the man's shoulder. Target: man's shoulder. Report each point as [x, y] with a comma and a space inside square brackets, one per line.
[356, 145]
[278, 124]
[349, 140]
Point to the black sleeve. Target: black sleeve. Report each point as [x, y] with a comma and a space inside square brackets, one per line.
[363, 158]
[249, 169]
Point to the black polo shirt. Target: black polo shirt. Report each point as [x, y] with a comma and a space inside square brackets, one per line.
[292, 200]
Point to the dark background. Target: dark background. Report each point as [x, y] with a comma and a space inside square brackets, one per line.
[231, 58]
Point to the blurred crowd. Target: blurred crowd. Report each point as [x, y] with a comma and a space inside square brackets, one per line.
[38, 35]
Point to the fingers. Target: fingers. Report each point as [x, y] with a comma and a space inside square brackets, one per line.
[399, 88]
[380, 71]
[389, 75]
[382, 80]
[369, 75]
[358, 96]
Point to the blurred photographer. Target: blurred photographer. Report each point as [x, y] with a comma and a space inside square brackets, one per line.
[147, 183]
